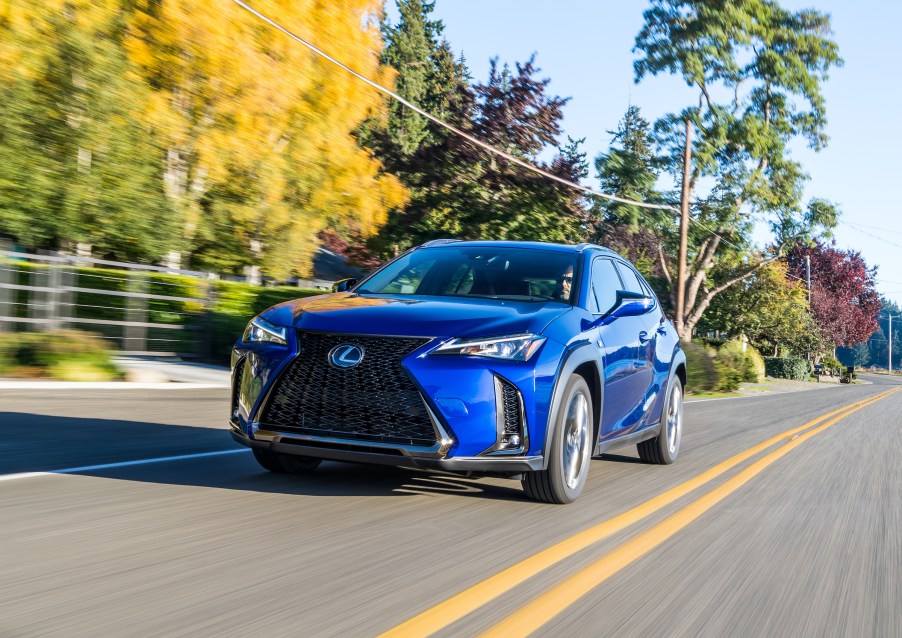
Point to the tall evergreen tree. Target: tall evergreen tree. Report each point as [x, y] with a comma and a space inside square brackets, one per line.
[630, 170]
[458, 190]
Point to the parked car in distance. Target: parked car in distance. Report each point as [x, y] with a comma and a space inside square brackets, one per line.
[515, 359]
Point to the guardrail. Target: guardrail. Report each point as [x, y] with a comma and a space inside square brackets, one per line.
[50, 292]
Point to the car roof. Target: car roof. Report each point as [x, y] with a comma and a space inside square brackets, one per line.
[538, 245]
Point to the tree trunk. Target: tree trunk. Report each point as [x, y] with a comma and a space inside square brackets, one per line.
[682, 274]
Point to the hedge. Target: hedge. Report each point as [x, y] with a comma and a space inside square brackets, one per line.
[69, 355]
[786, 368]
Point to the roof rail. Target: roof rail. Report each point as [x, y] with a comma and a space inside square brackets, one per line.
[439, 242]
[585, 245]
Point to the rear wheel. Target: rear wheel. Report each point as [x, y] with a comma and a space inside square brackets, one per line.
[570, 450]
[664, 448]
[285, 463]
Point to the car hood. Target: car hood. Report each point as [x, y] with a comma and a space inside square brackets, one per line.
[414, 316]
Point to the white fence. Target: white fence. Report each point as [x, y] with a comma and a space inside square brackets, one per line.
[45, 292]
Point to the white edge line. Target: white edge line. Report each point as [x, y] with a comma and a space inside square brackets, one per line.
[107, 466]
[106, 385]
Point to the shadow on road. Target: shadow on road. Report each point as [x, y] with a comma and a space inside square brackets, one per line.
[40, 443]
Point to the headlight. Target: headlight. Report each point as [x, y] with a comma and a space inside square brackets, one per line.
[259, 330]
[511, 347]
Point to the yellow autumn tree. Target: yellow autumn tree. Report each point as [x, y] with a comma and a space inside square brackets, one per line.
[259, 150]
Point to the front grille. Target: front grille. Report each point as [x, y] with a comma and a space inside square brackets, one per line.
[510, 405]
[236, 388]
[373, 401]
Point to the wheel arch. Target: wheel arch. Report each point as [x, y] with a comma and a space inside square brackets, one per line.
[678, 369]
[585, 361]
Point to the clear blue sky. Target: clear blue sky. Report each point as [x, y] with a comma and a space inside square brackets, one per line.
[585, 47]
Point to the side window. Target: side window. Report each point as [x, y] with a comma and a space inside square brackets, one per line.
[605, 284]
[630, 279]
[646, 288]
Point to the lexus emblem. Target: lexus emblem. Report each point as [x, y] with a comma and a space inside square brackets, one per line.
[346, 355]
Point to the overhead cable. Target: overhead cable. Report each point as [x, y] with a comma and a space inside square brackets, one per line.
[473, 140]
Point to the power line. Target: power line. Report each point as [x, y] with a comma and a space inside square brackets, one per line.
[886, 230]
[473, 140]
[870, 234]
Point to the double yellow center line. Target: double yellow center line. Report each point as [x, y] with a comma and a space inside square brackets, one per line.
[552, 602]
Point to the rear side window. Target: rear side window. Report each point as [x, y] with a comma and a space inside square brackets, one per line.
[630, 279]
[605, 284]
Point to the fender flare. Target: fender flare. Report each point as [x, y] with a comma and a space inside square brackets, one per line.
[574, 358]
[678, 359]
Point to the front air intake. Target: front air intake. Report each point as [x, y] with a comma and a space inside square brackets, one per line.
[510, 418]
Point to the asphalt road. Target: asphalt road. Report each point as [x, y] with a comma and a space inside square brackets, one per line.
[804, 543]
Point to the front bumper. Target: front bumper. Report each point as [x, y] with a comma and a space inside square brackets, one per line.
[357, 452]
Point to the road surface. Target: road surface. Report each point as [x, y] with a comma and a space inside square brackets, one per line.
[800, 536]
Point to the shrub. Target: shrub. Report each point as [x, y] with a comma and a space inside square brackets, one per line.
[68, 355]
[786, 368]
[756, 365]
[701, 373]
[732, 366]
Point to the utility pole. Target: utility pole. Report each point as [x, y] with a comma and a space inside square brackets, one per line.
[890, 362]
[682, 275]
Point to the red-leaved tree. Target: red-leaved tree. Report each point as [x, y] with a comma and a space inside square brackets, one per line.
[844, 301]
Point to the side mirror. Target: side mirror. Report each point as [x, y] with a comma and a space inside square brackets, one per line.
[343, 285]
[631, 304]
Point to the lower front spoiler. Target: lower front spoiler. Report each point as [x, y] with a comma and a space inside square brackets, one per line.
[352, 452]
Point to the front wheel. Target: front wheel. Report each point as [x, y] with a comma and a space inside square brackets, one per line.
[664, 448]
[285, 463]
[570, 450]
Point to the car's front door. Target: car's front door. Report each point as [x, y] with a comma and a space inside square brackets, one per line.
[618, 343]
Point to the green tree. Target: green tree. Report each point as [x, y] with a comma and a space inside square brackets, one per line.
[79, 167]
[630, 170]
[758, 71]
[456, 189]
[771, 310]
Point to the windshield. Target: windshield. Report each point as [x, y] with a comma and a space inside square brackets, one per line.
[523, 274]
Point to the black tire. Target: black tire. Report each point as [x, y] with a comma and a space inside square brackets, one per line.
[556, 484]
[663, 449]
[285, 463]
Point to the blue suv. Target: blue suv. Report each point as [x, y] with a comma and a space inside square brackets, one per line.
[514, 359]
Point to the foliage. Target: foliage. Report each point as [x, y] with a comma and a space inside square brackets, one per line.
[701, 373]
[770, 309]
[755, 372]
[259, 151]
[757, 70]
[64, 355]
[458, 190]
[786, 368]
[140, 127]
[844, 299]
[77, 164]
[743, 363]
[875, 350]
[629, 170]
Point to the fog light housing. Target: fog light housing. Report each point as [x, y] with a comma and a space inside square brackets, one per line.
[512, 436]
